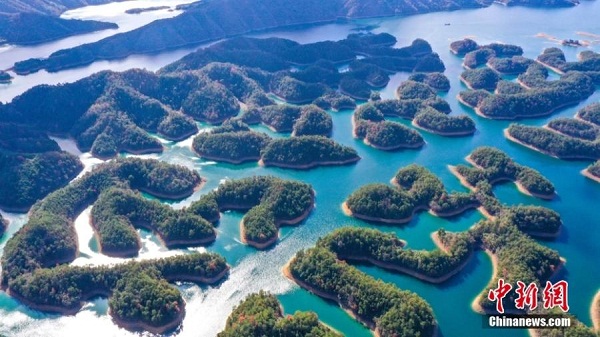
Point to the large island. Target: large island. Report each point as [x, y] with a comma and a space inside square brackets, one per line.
[33, 263]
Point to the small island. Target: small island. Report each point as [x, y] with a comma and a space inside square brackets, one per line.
[313, 121]
[388, 136]
[494, 166]
[593, 171]
[306, 152]
[554, 59]
[441, 124]
[145, 9]
[270, 203]
[480, 78]
[243, 320]
[590, 113]
[118, 211]
[233, 142]
[415, 189]
[553, 143]
[336, 101]
[476, 55]
[515, 65]
[437, 81]
[5, 77]
[575, 128]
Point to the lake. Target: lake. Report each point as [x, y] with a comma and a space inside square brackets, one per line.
[252, 270]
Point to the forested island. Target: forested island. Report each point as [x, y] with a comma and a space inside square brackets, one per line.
[5, 77]
[269, 203]
[301, 121]
[261, 314]
[494, 166]
[306, 152]
[145, 9]
[416, 188]
[480, 78]
[117, 211]
[437, 81]
[381, 306]
[554, 58]
[593, 171]
[553, 143]
[543, 97]
[441, 124]
[387, 251]
[139, 295]
[417, 101]
[515, 256]
[369, 124]
[233, 142]
[27, 177]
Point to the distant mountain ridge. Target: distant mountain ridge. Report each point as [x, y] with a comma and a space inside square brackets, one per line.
[46, 7]
[33, 28]
[28, 22]
[216, 19]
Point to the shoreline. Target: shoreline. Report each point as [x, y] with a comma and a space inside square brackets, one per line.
[197, 279]
[49, 308]
[554, 69]
[444, 133]
[371, 325]
[525, 191]
[288, 274]
[461, 178]
[470, 86]
[279, 223]
[311, 164]
[475, 304]
[139, 325]
[348, 212]
[455, 212]
[227, 160]
[531, 147]
[595, 312]
[410, 272]
[521, 116]
[395, 147]
[357, 98]
[174, 196]
[520, 186]
[462, 101]
[585, 172]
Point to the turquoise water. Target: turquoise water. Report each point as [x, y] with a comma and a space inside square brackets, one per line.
[252, 270]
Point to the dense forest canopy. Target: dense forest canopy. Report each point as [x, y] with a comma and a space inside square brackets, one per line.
[260, 314]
